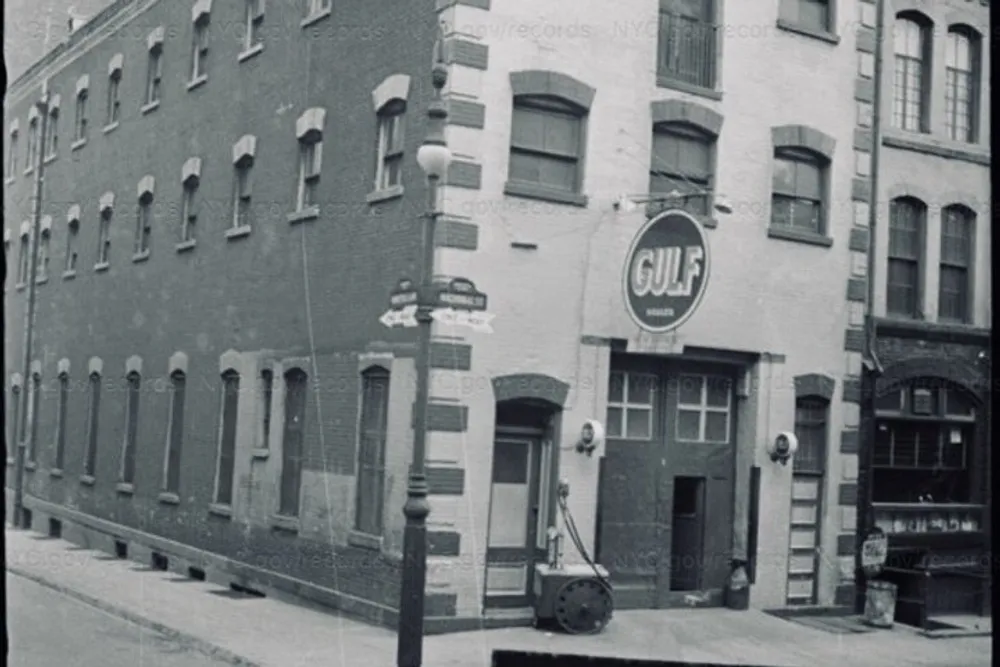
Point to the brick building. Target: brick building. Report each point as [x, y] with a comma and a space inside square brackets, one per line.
[926, 480]
[215, 386]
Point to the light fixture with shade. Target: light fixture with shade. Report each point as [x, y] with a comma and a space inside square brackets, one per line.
[434, 159]
[629, 203]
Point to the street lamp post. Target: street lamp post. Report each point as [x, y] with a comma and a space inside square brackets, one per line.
[433, 157]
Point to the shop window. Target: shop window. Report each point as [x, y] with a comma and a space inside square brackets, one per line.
[630, 405]
[703, 408]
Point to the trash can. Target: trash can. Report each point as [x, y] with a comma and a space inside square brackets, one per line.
[880, 604]
[737, 593]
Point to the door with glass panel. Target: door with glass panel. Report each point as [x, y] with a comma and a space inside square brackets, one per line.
[520, 494]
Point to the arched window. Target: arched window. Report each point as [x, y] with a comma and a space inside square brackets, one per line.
[225, 468]
[390, 144]
[962, 57]
[372, 429]
[175, 432]
[93, 412]
[296, 384]
[907, 221]
[955, 284]
[912, 48]
[134, 383]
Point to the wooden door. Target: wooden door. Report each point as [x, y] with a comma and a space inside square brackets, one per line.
[512, 542]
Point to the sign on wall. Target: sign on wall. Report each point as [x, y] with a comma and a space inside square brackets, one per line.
[666, 271]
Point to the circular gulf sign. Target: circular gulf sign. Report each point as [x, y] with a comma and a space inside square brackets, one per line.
[666, 271]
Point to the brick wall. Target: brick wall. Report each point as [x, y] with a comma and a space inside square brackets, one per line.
[283, 292]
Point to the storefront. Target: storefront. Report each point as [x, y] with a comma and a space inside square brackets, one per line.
[927, 485]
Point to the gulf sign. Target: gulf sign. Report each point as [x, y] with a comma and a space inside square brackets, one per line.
[666, 271]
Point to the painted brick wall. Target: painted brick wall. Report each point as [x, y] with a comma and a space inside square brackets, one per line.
[284, 289]
[765, 294]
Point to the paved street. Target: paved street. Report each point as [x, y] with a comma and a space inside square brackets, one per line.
[49, 629]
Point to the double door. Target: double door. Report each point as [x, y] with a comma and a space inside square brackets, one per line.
[667, 484]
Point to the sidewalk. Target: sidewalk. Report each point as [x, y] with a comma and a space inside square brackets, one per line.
[270, 633]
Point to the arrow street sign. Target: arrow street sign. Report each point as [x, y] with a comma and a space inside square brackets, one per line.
[477, 321]
[404, 317]
[404, 295]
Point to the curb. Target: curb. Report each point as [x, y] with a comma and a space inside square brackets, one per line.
[200, 645]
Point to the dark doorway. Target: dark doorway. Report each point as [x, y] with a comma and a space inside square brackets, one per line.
[686, 549]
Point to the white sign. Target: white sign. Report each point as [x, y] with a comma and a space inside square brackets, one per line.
[874, 552]
[405, 317]
[475, 320]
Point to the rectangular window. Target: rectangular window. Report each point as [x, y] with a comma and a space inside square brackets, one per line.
[104, 238]
[131, 428]
[71, 235]
[12, 156]
[266, 396]
[43, 256]
[199, 49]
[34, 414]
[797, 198]
[810, 429]
[81, 115]
[316, 6]
[23, 260]
[254, 18]
[296, 383]
[812, 14]
[189, 213]
[175, 433]
[227, 438]
[153, 75]
[61, 421]
[546, 145]
[114, 100]
[630, 405]
[371, 451]
[956, 264]
[310, 161]
[906, 227]
[241, 195]
[52, 129]
[703, 408]
[682, 165]
[93, 413]
[390, 146]
[686, 51]
[143, 225]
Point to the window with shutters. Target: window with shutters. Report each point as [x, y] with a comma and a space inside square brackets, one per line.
[907, 222]
[296, 384]
[963, 54]
[371, 451]
[93, 415]
[175, 433]
[912, 46]
[682, 165]
[955, 280]
[225, 468]
[546, 146]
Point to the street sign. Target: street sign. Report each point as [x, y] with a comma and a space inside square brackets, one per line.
[666, 271]
[404, 295]
[460, 294]
[476, 320]
[402, 317]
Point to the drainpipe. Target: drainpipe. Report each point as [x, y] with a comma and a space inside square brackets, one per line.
[871, 367]
[21, 431]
